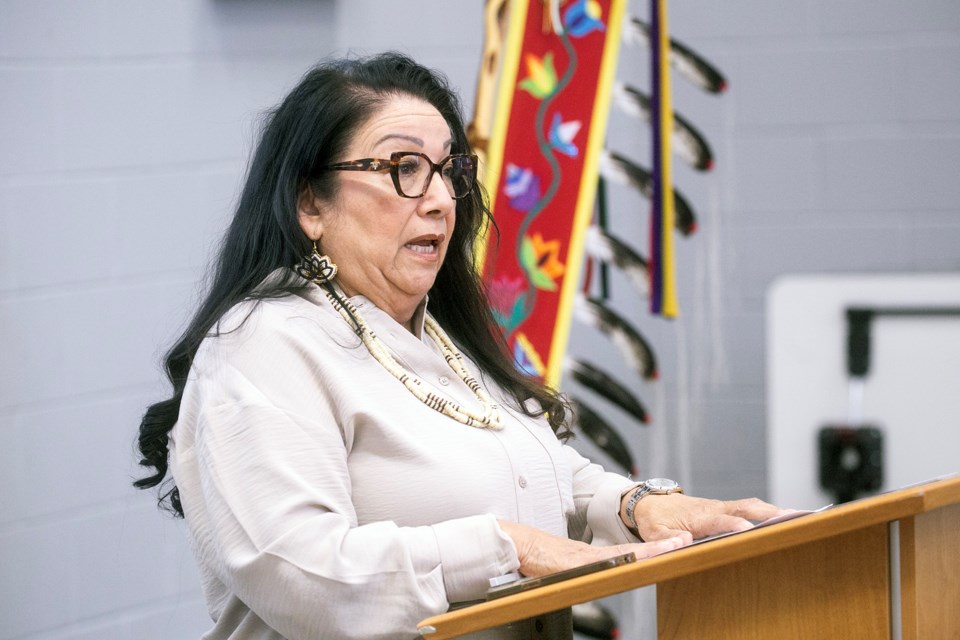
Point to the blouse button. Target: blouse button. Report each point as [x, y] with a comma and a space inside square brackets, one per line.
[522, 481]
[444, 380]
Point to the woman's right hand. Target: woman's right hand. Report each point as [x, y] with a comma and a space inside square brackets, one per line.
[542, 553]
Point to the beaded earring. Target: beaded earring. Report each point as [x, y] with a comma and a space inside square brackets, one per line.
[316, 267]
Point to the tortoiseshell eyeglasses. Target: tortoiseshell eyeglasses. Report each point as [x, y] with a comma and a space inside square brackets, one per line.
[412, 172]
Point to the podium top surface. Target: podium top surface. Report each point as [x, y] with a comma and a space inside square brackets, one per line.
[866, 512]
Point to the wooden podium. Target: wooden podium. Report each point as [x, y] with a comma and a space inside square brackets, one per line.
[887, 566]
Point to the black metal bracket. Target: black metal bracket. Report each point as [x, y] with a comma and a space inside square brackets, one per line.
[859, 321]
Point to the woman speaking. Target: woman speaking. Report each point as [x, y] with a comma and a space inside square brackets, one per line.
[348, 442]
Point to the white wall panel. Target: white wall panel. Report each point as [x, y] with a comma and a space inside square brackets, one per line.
[910, 392]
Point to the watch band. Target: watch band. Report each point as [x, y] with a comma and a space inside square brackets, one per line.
[635, 497]
[655, 486]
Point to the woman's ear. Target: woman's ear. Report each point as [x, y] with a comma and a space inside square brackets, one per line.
[309, 213]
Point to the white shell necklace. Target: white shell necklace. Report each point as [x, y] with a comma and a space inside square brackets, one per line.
[490, 419]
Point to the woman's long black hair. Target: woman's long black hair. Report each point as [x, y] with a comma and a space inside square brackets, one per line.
[307, 131]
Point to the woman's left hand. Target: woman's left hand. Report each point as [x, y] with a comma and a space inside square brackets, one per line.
[691, 518]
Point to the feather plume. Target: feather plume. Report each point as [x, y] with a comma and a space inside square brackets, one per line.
[687, 62]
[614, 166]
[604, 246]
[636, 349]
[593, 620]
[689, 143]
[603, 435]
[601, 383]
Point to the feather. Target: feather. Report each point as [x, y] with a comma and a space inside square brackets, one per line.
[601, 383]
[618, 168]
[608, 248]
[687, 62]
[603, 435]
[690, 144]
[592, 620]
[637, 351]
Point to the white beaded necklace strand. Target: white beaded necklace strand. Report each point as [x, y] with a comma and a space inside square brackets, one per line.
[490, 419]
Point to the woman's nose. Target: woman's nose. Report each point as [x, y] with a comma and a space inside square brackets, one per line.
[437, 197]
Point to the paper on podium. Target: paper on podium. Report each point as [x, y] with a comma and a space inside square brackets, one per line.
[766, 523]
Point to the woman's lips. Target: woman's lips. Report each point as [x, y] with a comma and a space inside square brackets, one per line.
[426, 245]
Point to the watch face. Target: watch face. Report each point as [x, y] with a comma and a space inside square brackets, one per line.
[661, 484]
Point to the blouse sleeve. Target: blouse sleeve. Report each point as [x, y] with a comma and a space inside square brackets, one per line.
[596, 497]
[261, 465]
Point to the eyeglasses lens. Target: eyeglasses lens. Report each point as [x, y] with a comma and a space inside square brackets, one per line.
[414, 174]
[459, 173]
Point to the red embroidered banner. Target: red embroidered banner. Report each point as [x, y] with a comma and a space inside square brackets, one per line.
[541, 170]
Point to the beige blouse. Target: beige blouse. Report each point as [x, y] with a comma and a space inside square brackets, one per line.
[323, 500]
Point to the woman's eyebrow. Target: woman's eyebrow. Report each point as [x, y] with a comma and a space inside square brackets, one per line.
[415, 140]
